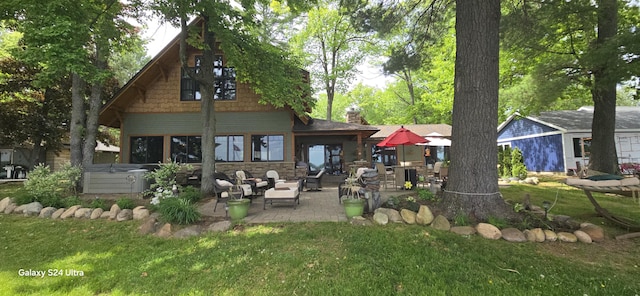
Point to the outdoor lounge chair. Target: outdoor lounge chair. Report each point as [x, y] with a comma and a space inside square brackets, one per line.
[313, 183]
[273, 178]
[257, 184]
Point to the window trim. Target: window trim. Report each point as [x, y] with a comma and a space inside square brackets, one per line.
[225, 84]
[241, 147]
[253, 158]
[146, 160]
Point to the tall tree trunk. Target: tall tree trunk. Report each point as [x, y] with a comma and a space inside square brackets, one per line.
[603, 149]
[95, 102]
[206, 79]
[472, 188]
[77, 118]
[207, 106]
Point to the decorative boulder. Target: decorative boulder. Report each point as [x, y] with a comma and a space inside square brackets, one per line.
[221, 226]
[595, 232]
[47, 212]
[380, 218]
[96, 213]
[463, 230]
[539, 234]
[69, 212]
[140, 213]
[583, 237]
[488, 231]
[32, 209]
[165, 231]
[513, 235]
[124, 215]
[193, 230]
[10, 207]
[113, 213]
[408, 216]
[550, 236]
[58, 213]
[441, 223]
[424, 216]
[4, 203]
[529, 235]
[394, 216]
[567, 237]
[83, 213]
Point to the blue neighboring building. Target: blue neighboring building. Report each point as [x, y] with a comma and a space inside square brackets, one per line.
[554, 141]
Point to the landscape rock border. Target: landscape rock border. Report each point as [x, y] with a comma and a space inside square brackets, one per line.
[587, 233]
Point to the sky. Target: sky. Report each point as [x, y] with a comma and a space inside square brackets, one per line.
[161, 34]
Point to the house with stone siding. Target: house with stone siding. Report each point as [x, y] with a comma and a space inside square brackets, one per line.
[158, 114]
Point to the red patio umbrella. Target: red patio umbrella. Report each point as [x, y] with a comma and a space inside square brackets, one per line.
[403, 137]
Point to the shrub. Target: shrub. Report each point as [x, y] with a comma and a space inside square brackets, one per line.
[99, 204]
[125, 203]
[178, 210]
[518, 169]
[504, 160]
[498, 222]
[425, 194]
[461, 219]
[191, 194]
[70, 201]
[163, 181]
[49, 187]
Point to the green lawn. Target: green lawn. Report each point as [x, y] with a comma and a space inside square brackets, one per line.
[312, 259]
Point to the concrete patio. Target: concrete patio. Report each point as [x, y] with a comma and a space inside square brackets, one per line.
[315, 206]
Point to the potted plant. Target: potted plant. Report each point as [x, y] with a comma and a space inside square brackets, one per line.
[237, 205]
[352, 201]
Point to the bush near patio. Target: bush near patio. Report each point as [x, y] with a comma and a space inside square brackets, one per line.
[50, 188]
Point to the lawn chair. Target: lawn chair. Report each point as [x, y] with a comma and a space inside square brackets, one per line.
[313, 183]
[273, 178]
[257, 185]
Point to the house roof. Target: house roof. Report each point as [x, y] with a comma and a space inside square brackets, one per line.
[627, 118]
[321, 126]
[420, 129]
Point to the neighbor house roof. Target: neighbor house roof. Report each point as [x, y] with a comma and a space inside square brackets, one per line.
[420, 129]
[315, 125]
[627, 118]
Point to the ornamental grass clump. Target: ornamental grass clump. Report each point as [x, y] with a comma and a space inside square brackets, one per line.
[178, 211]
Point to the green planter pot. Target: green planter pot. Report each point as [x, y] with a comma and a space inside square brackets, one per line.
[353, 207]
[238, 208]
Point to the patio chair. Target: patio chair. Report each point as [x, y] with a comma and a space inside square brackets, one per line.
[388, 174]
[221, 190]
[246, 188]
[273, 178]
[257, 185]
[313, 183]
[436, 170]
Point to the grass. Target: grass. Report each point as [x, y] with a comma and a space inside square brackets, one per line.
[311, 259]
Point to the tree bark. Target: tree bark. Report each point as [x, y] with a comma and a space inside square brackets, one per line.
[206, 79]
[603, 149]
[77, 119]
[95, 102]
[472, 188]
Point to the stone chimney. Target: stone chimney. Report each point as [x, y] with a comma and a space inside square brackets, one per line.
[353, 114]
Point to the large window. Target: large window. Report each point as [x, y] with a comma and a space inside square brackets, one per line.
[186, 149]
[581, 145]
[146, 149]
[267, 148]
[229, 148]
[225, 83]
